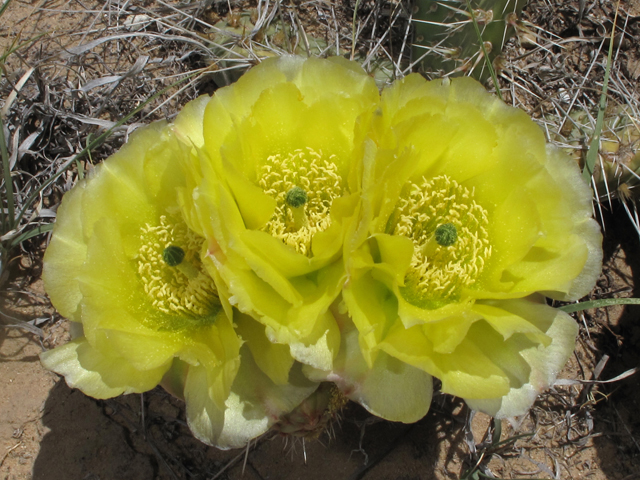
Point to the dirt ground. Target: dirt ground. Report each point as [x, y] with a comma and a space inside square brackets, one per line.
[49, 431]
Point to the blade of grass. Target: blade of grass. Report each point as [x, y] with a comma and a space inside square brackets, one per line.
[492, 72]
[4, 7]
[79, 164]
[15, 47]
[594, 146]
[603, 302]
[47, 227]
[353, 30]
[497, 433]
[8, 221]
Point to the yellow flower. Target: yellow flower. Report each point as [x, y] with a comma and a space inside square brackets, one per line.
[387, 387]
[124, 265]
[468, 216]
[274, 188]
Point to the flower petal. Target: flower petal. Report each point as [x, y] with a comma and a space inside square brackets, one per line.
[99, 374]
[65, 255]
[254, 404]
[188, 123]
[544, 362]
[466, 372]
[272, 358]
[390, 389]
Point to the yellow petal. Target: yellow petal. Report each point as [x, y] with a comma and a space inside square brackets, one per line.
[467, 371]
[319, 347]
[97, 373]
[254, 404]
[543, 361]
[389, 388]
[188, 123]
[65, 255]
[272, 358]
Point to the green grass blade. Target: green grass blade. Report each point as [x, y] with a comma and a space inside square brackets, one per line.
[594, 146]
[604, 302]
[8, 221]
[5, 222]
[492, 72]
[47, 227]
[497, 432]
[15, 47]
[353, 30]
[4, 7]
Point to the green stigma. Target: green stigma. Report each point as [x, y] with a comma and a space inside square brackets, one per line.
[173, 255]
[296, 197]
[446, 234]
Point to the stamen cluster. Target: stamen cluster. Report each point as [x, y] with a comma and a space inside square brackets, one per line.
[304, 183]
[439, 271]
[181, 289]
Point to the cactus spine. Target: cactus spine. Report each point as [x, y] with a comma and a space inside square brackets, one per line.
[617, 170]
[446, 41]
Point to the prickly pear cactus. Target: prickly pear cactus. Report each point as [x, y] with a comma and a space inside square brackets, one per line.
[617, 170]
[314, 415]
[241, 40]
[237, 43]
[445, 41]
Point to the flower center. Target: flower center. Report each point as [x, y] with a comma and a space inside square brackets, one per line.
[173, 276]
[304, 184]
[449, 233]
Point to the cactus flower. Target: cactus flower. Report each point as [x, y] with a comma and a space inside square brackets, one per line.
[468, 220]
[388, 239]
[123, 265]
[274, 188]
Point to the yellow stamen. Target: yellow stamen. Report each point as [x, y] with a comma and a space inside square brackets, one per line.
[171, 272]
[304, 184]
[450, 237]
